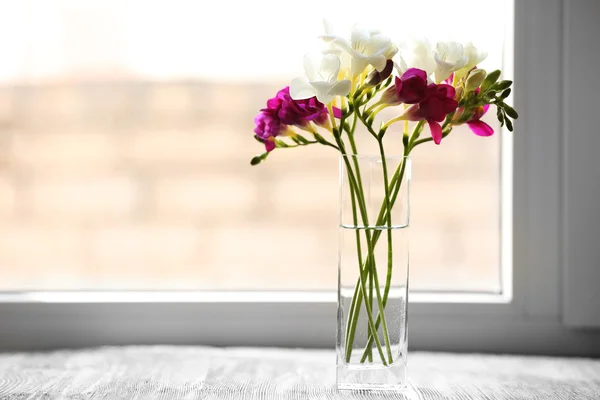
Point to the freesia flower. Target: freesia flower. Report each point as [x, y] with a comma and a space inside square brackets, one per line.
[474, 57]
[479, 127]
[321, 80]
[410, 88]
[417, 54]
[365, 47]
[282, 112]
[438, 103]
[298, 112]
[449, 57]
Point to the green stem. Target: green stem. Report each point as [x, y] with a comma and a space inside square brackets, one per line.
[388, 280]
[363, 212]
[355, 300]
[357, 297]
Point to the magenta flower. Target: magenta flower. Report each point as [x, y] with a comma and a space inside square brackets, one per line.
[282, 111]
[438, 103]
[411, 87]
[479, 127]
[268, 126]
[298, 112]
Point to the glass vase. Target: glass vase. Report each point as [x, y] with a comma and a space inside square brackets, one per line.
[373, 270]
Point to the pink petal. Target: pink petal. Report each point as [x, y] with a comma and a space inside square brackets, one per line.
[269, 144]
[337, 113]
[485, 108]
[480, 128]
[414, 72]
[436, 131]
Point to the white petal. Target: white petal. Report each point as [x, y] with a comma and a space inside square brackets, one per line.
[300, 88]
[400, 64]
[310, 68]
[378, 44]
[343, 45]
[340, 88]
[390, 51]
[359, 63]
[322, 91]
[378, 62]
[330, 66]
[359, 37]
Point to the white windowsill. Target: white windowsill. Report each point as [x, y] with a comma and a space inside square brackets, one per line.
[231, 297]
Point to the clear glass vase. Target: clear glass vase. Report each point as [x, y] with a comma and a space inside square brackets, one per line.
[373, 273]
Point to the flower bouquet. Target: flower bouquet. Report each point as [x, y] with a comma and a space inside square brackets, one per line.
[346, 88]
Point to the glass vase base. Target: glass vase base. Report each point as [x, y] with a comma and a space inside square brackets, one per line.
[376, 378]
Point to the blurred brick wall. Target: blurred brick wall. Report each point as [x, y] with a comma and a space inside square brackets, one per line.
[139, 185]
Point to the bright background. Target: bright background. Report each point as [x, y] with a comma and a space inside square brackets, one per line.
[126, 132]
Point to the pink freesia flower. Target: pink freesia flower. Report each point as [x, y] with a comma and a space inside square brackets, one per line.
[479, 127]
[298, 112]
[283, 111]
[438, 103]
[411, 87]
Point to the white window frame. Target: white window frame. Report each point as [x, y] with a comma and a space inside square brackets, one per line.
[531, 316]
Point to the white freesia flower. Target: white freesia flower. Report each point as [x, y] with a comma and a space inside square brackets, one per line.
[449, 57]
[399, 64]
[474, 57]
[365, 47]
[418, 54]
[321, 80]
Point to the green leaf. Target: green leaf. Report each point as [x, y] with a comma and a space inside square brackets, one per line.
[490, 80]
[280, 144]
[505, 94]
[258, 159]
[509, 124]
[295, 140]
[510, 111]
[258, 139]
[500, 116]
[502, 85]
[490, 94]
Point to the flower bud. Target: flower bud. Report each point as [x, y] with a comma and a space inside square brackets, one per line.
[390, 96]
[376, 77]
[475, 79]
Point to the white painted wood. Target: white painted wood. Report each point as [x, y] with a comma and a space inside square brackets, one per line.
[44, 326]
[211, 373]
[537, 139]
[581, 148]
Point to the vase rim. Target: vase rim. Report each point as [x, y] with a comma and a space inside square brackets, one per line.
[375, 156]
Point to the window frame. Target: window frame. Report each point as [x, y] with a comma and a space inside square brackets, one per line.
[526, 318]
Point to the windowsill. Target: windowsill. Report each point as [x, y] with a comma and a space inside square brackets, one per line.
[233, 297]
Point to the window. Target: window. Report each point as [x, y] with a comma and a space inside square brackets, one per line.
[137, 92]
[128, 130]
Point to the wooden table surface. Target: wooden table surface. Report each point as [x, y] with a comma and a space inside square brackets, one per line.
[164, 372]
